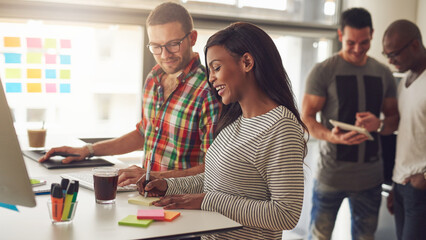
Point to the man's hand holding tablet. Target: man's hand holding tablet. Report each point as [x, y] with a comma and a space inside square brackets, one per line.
[350, 127]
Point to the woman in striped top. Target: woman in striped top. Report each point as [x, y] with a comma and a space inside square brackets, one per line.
[254, 168]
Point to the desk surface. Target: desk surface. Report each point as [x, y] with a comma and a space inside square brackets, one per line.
[96, 221]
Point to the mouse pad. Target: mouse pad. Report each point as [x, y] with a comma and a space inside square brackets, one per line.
[57, 163]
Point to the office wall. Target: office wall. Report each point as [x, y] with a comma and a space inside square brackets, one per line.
[386, 11]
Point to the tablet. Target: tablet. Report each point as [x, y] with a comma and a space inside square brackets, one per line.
[350, 127]
[57, 163]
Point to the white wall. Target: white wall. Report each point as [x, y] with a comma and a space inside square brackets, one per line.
[384, 12]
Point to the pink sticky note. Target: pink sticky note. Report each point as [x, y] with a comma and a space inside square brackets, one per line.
[33, 42]
[50, 87]
[65, 43]
[50, 58]
[154, 214]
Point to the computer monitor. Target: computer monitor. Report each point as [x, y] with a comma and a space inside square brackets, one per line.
[15, 186]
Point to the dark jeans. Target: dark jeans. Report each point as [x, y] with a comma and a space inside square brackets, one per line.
[410, 212]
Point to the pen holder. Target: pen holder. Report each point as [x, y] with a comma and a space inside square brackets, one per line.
[60, 214]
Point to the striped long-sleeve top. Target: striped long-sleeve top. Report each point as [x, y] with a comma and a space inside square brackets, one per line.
[253, 175]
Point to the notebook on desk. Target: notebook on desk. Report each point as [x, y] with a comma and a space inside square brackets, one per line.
[85, 179]
[56, 162]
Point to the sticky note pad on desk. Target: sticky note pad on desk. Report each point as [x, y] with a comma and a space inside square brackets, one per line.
[170, 215]
[140, 200]
[132, 220]
[155, 214]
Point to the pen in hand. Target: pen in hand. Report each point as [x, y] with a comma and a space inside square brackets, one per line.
[148, 171]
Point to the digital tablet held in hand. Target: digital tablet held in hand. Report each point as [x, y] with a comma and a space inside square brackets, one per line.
[350, 127]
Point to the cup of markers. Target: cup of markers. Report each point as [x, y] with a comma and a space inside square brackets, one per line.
[63, 201]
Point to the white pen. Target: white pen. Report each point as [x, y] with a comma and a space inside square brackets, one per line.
[148, 171]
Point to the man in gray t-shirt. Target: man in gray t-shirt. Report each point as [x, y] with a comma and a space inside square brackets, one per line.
[353, 88]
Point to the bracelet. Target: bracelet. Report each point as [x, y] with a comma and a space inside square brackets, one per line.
[91, 150]
[382, 124]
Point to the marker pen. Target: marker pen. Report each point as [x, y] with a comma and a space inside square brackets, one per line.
[67, 202]
[57, 202]
[74, 198]
[148, 171]
[64, 184]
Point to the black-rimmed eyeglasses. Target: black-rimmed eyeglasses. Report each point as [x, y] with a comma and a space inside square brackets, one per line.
[171, 47]
[397, 52]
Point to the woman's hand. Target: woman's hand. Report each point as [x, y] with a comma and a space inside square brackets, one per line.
[155, 187]
[186, 201]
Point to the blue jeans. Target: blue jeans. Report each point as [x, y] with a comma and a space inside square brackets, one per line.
[410, 212]
[364, 206]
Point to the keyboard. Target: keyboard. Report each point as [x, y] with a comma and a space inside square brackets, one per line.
[85, 179]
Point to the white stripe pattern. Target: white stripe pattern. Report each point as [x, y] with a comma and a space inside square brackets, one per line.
[253, 175]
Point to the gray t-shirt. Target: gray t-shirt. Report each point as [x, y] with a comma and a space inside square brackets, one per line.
[349, 89]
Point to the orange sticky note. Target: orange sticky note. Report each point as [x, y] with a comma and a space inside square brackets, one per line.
[12, 42]
[170, 215]
[33, 87]
[33, 73]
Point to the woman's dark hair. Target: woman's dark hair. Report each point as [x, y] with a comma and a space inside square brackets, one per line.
[240, 38]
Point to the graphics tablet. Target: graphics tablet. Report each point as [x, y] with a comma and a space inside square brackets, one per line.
[350, 127]
[56, 163]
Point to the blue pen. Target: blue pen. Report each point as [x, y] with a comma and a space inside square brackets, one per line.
[148, 172]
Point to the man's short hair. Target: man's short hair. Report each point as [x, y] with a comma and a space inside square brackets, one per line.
[170, 12]
[356, 18]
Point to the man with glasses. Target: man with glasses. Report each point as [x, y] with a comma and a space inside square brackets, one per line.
[403, 46]
[354, 88]
[179, 111]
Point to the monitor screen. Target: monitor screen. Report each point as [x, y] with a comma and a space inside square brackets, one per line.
[15, 186]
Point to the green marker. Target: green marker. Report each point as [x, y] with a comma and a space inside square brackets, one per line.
[74, 198]
[67, 202]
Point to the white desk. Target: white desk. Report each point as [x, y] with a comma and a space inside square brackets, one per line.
[95, 221]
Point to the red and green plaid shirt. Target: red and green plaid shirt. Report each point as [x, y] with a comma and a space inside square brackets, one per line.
[178, 130]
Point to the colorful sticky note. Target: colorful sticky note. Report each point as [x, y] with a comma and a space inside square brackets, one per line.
[9, 206]
[131, 220]
[65, 88]
[33, 42]
[49, 43]
[33, 73]
[33, 57]
[12, 41]
[65, 59]
[170, 215]
[33, 87]
[65, 43]
[154, 214]
[50, 58]
[13, 87]
[65, 74]
[13, 73]
[12, 57]
[140, 200]
[50, 87]
[50, 73]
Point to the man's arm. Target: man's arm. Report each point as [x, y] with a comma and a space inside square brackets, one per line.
[127, 143]
[180, 173]
[391, 121]
[311, 105]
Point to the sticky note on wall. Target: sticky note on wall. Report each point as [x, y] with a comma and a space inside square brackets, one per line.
[49, 43]
[65, 88]
[65, 74]
[50, 58]
[33, 42]
[12, 41]
[12, 57]
[33, 87]
[50, 73]
[65, 59]
[13, 73]
[13, 87]
[34, 58]
[33, 73]
[50, 87]
[65, 43]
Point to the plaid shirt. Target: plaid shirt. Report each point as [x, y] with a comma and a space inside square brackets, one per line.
[178, 130]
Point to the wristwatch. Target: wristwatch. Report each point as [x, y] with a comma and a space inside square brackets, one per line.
[91, 150]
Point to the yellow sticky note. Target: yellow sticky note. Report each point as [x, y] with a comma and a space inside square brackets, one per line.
[49, 43]
[12, 42]
[140, 200]
[34, 57]
[33, 87]
[65, 74]
[13, 73]
[33, 73]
